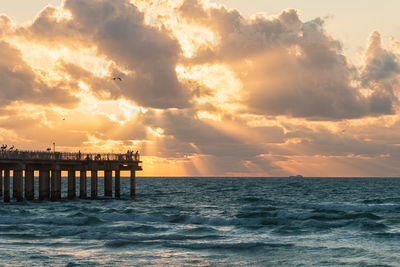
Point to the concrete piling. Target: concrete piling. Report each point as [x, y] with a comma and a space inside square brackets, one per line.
[18, 184]
[29, 184]
[117, 184]
[14, 186]
[1, 183]
[57, 193]
[82, 185]
[93, 184]
[71, 184]
[53, 178]
[133, 183]
[6, 185]
[108, 183]
[44, 184]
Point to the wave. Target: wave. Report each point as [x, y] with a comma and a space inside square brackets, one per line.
[388, 235]
[85, 220]
[352, 207]
[119, 241]
[367, 225]
[200, 230]
[382, 200]
[25, 236]
[18, 221]
[150, 223]
[231, 246]
[128, 243]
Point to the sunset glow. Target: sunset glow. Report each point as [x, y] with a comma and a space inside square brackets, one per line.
[203, 89]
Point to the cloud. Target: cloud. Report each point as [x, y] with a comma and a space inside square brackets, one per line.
[5, 25]
[293, 68]
[380, 64]
[146, 55]
[286, 66]
[185, 127]
[265, 95]
[35, 127]
[381, 74]
[184, 134]
[19, 82]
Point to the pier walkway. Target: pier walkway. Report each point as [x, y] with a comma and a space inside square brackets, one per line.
[23, 165]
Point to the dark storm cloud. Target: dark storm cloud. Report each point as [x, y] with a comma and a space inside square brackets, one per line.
[118, 31]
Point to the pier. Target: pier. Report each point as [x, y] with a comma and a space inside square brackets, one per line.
[49, 165]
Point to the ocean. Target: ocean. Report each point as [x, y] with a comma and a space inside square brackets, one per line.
[212, 222]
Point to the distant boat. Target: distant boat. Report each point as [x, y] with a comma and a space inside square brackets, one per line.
[297, 176]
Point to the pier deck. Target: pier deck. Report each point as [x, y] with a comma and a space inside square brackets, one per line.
[23, 165]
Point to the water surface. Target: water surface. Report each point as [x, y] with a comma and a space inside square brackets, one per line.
[212, 221]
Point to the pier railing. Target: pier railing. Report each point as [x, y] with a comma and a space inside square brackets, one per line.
[43, 155]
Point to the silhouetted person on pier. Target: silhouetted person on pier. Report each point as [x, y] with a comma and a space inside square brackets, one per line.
[79, 155]
[136, 155]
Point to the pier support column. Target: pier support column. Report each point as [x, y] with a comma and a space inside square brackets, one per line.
[93, 191]
[57, 192]
[1, 183]
[6, 185]
[82, 185]
[108, 183]
[18, 183]
[14, 186]
[44, 184]
[71, 184]
[117, 184]
[53, 185]
[133, 183]
[29, 184]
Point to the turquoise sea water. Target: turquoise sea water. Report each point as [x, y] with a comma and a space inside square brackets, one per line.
[212, 222]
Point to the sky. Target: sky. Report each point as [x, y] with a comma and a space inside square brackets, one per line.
[208, 88]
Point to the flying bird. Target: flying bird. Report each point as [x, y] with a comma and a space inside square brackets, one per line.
[11, 148]
[117, 78]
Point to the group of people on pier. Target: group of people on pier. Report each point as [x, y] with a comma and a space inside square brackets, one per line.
[4, 147]
[42, 155]
[131, 155]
